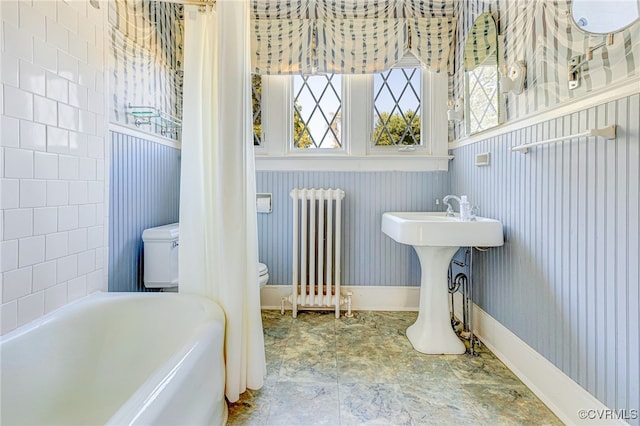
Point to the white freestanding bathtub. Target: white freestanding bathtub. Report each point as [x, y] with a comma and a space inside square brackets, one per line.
[117, 358]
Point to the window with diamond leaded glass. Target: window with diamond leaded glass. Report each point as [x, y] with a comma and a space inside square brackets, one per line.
[482, 99]
[396, 112]
[317, 112]
[256, 110]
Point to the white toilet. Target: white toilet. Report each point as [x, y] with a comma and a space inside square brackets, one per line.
[263, 274]
[161, 246]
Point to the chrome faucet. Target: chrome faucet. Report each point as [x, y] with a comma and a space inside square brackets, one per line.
[449, 207]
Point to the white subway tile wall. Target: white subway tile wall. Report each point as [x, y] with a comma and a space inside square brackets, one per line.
[18, 103]
[30, 307]
[10, 193]
[52, 156]
[18, 223]
[10, 132]
[45, 166]
[31, 251]
[44, 276]
[9, 255]
[55, 297]
[33, 193]
[18, 163]
[8, 316]
[57, 245]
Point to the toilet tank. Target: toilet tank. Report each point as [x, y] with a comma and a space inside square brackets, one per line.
[161, 256]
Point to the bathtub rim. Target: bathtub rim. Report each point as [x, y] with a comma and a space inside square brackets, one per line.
[214, 318]
[78, 304]
[146, 394]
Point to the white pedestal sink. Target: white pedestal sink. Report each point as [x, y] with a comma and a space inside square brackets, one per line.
[436, 238]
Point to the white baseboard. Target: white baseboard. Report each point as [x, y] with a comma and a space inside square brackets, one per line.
[558, 391]
[364, 298]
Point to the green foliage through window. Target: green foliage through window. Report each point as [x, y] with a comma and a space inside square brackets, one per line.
[256, 100]
[397, 107]
[317, 119]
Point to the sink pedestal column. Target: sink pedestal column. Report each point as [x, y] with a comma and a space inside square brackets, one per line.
[432, 332]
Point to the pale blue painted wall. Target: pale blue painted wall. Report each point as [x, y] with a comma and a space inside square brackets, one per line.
[143, 193]
[370, 257]
[566, 280]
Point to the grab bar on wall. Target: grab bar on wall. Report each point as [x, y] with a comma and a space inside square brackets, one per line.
[608, 132]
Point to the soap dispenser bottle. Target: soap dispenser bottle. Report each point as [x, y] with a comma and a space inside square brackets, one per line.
[465, 209]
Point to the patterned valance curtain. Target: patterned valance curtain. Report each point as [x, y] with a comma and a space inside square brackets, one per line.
[359, 46]
[350, 36]
[354, 9]
[282, 46]
[481, 42]
[432, 41]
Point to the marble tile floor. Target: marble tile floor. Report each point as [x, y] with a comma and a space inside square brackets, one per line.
[363, 370]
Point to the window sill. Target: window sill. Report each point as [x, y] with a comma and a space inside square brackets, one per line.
[372, 163]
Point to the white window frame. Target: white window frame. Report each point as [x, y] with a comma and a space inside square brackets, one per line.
[292, 150]
[425, 121]
[357, 152]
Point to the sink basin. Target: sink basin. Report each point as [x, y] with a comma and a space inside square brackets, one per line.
[436, 229]
[436, 238]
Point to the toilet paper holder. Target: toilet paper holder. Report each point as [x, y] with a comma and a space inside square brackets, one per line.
[263, 202]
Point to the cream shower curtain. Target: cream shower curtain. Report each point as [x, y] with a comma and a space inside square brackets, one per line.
[218, 225]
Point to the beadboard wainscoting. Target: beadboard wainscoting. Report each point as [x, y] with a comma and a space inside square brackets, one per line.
[145, 190]
[566, 281]
[369, 256]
